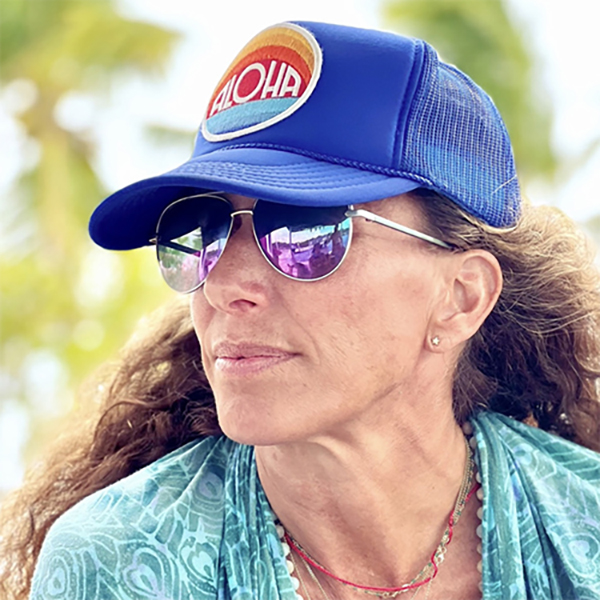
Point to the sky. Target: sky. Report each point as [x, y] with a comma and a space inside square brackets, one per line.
[563, 34]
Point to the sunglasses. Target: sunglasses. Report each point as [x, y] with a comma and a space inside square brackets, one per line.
[301, 242]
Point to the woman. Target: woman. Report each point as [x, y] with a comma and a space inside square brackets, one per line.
[402, 358]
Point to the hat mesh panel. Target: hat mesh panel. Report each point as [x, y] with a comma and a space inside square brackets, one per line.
[457, 140]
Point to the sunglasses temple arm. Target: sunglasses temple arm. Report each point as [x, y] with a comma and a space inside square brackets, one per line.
[174, 246]
[369, 216]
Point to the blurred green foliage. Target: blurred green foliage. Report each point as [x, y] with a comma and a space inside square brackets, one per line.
[482, 39]
[64, 301]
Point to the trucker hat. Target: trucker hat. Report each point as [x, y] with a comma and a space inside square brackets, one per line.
[315, 114]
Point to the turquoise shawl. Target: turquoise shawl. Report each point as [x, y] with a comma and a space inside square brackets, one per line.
[196, 524]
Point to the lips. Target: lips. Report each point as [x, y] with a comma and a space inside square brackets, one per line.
[248, 358]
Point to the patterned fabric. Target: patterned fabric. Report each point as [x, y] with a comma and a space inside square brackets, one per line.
[196, 525]
[541, 513]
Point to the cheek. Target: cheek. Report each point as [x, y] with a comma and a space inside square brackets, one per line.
[374, 324]
[360, 333]
[202, 314]
[198, 312]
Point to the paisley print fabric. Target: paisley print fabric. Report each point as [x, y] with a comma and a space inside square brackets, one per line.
[541, 513]
[196, 525]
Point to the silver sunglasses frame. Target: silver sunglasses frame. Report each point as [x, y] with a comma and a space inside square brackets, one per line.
[374, 218]
[351, 213]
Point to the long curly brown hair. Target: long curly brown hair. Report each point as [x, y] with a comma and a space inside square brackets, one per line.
[536, 358]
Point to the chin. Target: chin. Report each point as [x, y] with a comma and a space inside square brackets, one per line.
[253, 422]
[251, 434]
[242, 421]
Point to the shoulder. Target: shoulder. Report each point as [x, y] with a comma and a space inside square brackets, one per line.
[543, 464]
[541, 511]
[532, 447]
[142, 535]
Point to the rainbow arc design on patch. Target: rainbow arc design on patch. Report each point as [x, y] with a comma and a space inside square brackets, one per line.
[269, 79]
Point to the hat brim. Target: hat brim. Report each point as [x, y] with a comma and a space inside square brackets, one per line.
[127, 219]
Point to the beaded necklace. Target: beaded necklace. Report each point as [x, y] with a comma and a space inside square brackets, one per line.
[429, 571]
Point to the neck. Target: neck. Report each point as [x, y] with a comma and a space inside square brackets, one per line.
[375, 494]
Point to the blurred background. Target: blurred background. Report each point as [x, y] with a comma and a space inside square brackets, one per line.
[95, 94]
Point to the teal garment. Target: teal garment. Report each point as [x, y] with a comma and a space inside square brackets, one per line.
[196, 525]
[541, 513]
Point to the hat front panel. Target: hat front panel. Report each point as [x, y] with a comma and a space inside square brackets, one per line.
[270, 78]
[351, 116]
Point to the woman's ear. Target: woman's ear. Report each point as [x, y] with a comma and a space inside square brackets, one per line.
[473, 287]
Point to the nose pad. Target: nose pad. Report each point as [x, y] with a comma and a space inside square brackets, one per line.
[236, 225]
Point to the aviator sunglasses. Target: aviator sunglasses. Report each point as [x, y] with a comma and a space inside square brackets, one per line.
[301, 242]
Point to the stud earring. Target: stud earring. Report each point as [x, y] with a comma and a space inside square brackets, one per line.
[435, 341]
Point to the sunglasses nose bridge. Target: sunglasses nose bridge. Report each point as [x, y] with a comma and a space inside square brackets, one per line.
[233, 246]
[245, 211]
[237, 223]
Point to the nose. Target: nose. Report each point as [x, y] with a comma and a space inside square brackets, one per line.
[239, 282]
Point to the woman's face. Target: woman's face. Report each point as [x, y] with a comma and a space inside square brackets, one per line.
[288, 360]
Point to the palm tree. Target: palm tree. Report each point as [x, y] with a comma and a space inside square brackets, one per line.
[59, 293]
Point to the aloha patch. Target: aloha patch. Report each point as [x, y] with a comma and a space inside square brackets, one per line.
[271, 78]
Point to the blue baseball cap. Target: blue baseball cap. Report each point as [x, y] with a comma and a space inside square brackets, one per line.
[314, 114]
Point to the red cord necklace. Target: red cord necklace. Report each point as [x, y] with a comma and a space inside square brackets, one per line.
[467, 489]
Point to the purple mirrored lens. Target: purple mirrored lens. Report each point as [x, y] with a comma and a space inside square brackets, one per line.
[302, 242]
[191, 237]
